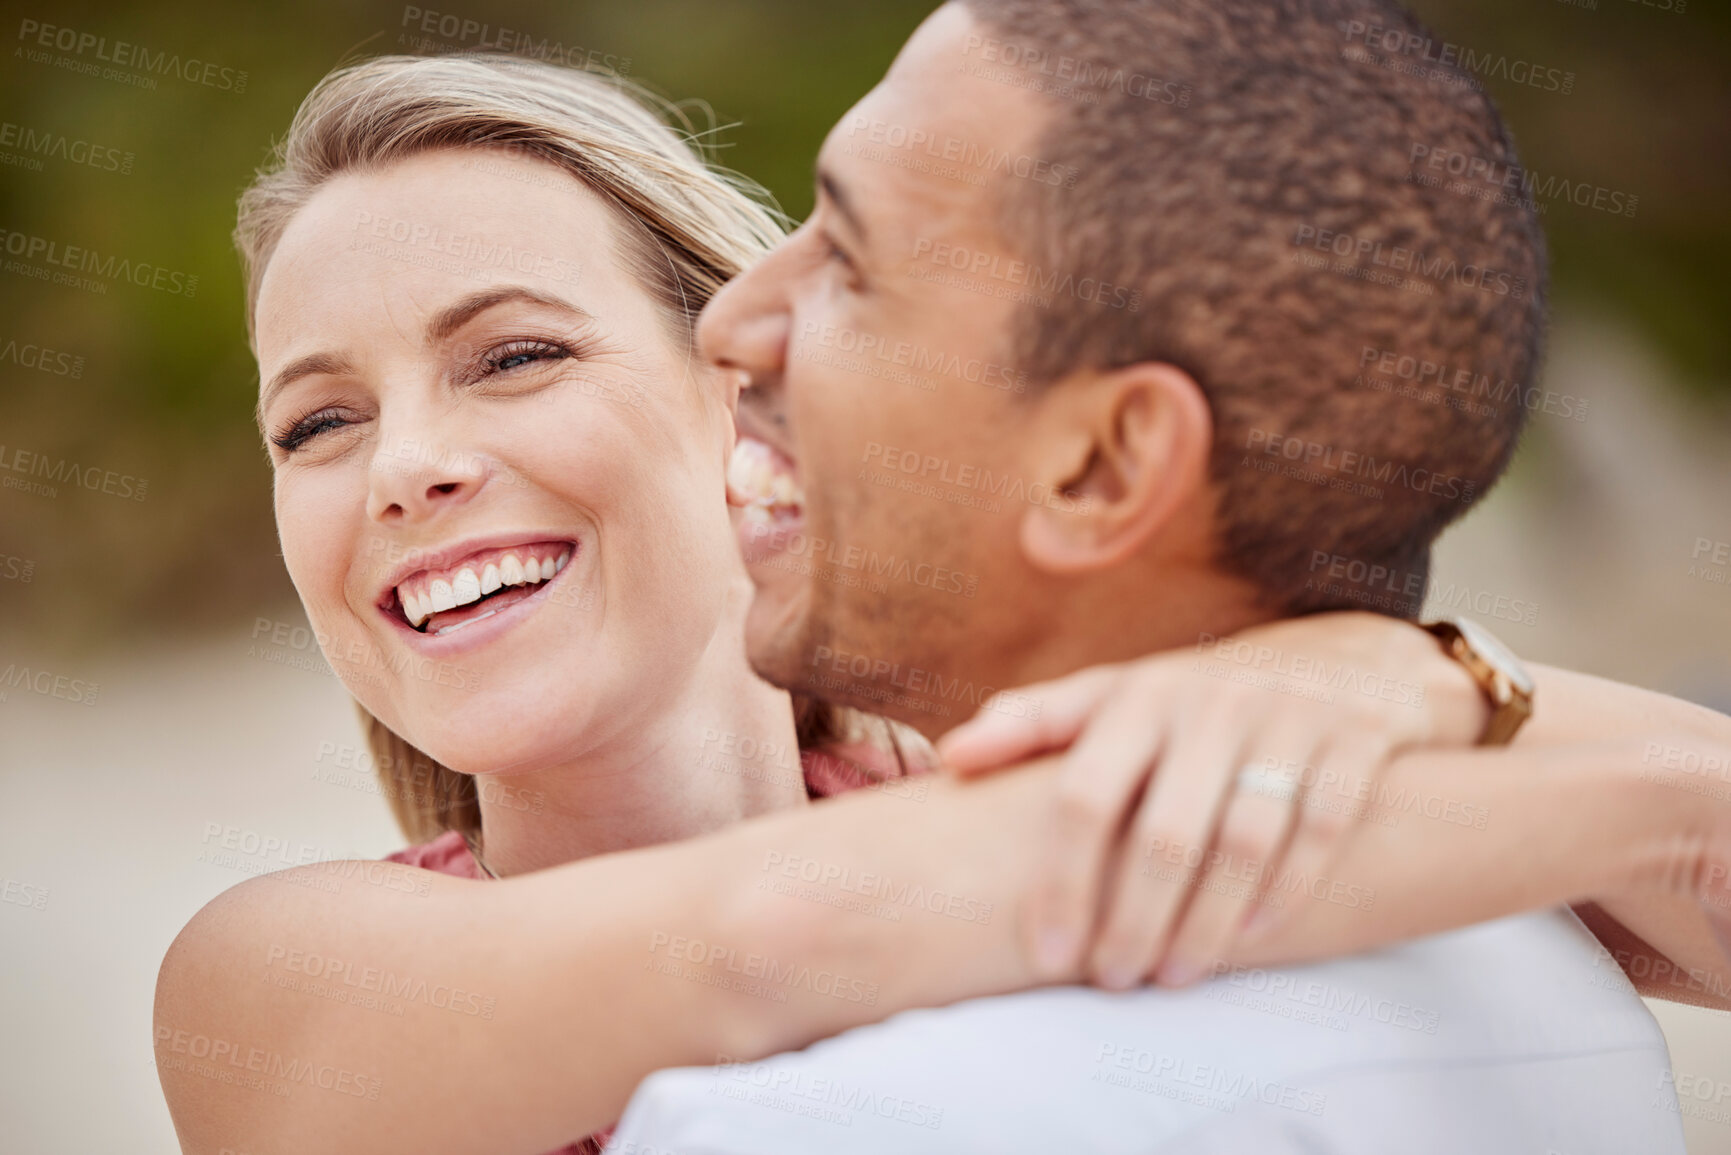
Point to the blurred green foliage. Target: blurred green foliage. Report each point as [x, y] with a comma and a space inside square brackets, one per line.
[167, 382]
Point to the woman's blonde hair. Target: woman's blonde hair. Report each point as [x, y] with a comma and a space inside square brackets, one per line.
[687, 227]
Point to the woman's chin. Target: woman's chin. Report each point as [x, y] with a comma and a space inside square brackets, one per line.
[498, 729]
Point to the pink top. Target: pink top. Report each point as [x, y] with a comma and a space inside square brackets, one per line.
[827, 772]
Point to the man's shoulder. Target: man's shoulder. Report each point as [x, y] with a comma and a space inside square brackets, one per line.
[1513, 1018]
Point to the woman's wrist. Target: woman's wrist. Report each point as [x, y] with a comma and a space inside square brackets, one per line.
[1454, 701]
[885, 901]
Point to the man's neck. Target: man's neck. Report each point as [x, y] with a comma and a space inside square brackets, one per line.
[1118, 621]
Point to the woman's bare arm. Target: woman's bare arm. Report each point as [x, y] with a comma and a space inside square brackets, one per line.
[404, 1010]
[1561, 825]
[1663, 940]
[779, 931]
[1122, 723]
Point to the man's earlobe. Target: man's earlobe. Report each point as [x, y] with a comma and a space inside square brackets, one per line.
[1148, 431]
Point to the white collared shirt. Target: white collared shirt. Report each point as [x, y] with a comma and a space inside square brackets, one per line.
[1517, 1036]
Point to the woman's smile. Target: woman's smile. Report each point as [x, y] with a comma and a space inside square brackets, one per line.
[444, 596]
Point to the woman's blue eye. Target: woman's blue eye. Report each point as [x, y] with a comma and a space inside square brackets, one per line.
[519, 354]
[308, 428]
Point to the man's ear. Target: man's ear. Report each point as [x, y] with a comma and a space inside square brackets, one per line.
[1132, 452]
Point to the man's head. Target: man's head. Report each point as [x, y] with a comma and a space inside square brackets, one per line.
[1099, 336]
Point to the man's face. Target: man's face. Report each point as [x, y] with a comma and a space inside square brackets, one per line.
[877, 339]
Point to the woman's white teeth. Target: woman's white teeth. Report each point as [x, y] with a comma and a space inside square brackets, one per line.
[467, 586]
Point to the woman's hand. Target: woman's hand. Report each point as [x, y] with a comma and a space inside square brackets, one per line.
[1201, 785]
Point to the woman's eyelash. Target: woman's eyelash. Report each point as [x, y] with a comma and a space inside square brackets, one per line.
[307, 428]
[499, 359]
[516, 354]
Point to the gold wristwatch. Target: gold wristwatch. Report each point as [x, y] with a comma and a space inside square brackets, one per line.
[1495, 668]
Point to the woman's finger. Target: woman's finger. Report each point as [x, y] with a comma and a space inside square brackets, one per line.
[1099, 782]
[1339, 790]
[1245, 860]
[1017, 725]
[1167, 846]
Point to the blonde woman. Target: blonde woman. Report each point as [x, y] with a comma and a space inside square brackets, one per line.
[500, 476]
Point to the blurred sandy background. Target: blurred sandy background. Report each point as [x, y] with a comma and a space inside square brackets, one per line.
[201, 725]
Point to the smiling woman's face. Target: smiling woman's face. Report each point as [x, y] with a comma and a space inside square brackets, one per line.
[499, 477]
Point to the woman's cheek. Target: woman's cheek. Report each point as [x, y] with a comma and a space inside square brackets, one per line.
[319, 545]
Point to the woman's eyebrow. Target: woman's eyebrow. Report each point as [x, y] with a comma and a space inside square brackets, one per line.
[312, 363]
[454, 316]
[447, 321]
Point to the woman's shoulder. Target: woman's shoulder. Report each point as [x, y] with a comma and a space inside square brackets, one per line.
[446, 854]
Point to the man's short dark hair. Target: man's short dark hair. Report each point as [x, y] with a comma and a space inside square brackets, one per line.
[1307, 196]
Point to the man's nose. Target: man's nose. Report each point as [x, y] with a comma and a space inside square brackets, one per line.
[413, 477]
[745, 326]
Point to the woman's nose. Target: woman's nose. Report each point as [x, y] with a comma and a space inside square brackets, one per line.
[413, 479]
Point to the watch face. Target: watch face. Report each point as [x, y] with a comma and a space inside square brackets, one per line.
[1499, 656]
